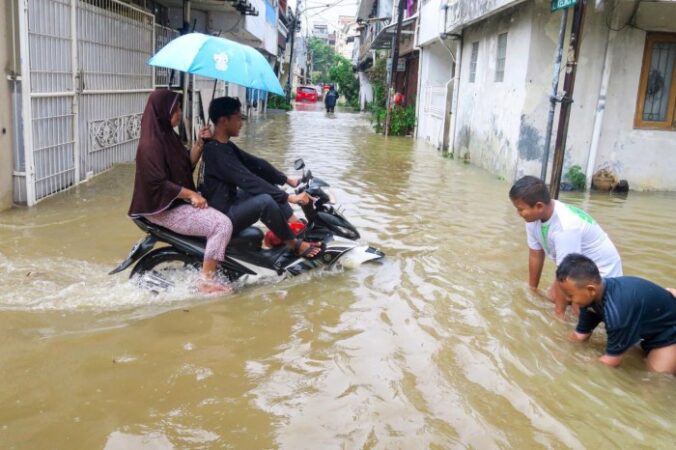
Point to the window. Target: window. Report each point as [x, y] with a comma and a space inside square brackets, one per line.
[657, 90]
[500, 59]
[472, 62]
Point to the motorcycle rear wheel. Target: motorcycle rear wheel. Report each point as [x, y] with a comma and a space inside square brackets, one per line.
[163, 260]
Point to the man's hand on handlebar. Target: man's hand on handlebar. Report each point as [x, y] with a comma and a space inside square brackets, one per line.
[300, 199]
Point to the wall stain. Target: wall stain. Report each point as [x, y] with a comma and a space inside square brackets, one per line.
[529, 141]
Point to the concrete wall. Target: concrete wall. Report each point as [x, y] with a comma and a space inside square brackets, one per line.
[431, 21]
[646, 158]
[489, 118]
[532, 131]
[265, 31]
[6, 121]
[509, 140]
[462, 13]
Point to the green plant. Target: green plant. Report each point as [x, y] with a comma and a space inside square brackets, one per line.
[402, 120]
[576, 177]
[278, 102]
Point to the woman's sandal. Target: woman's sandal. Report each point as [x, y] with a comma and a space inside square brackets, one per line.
[307, 253]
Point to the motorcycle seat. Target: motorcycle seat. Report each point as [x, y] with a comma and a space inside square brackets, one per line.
[249, 239]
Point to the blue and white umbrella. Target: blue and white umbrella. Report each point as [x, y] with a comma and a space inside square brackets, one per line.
[218, 58]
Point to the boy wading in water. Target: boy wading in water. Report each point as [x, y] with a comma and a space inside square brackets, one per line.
[633, 309]
[556, 229]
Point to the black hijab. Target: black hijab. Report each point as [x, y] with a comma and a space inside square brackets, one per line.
[163, 164]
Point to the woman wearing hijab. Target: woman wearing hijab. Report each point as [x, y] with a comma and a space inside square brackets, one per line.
[164, 191]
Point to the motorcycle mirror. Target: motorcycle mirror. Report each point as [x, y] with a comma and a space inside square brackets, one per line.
[298, 164]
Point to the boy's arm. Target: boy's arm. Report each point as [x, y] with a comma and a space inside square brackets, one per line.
[586, 324]
[536, 260]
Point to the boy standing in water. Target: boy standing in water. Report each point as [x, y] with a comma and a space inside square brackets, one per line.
[633, 309]
[556, 229]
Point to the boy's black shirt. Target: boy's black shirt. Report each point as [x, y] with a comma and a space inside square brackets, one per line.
[227, 167]
[633, 310]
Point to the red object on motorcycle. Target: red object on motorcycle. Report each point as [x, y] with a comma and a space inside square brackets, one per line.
[271, 239]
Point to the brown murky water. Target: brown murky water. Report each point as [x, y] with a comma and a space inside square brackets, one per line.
[441, 346]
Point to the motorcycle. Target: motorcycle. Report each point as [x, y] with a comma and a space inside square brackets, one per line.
[246, 260]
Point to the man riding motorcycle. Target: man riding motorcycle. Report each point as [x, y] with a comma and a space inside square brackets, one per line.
[243, 186]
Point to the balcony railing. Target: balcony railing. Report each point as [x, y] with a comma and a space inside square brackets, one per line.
[368, 35]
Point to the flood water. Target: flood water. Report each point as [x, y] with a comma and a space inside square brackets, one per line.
[440, 346]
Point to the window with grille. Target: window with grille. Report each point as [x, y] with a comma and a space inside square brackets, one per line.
[656, 104]
[473, 61]
[501, 56]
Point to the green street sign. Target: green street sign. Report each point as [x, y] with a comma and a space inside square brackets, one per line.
[562, 4]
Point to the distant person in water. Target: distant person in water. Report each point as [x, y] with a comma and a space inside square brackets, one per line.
[556, 229]
[330, 99]
[634, 311]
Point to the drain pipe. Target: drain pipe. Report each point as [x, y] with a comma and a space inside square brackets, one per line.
[449, 122]
[600, 110]
[553, 98]
[456, 91]
[416, 46]
[449, 101]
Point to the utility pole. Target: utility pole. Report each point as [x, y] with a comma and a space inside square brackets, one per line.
[566, 102]
[293, 35]
[553, 98]
[393, 67]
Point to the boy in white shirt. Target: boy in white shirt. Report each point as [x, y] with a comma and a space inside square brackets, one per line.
[556, 229]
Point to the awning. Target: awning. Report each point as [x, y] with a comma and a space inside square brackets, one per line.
[384, 39]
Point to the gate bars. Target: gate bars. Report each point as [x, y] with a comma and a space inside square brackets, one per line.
[84, 84]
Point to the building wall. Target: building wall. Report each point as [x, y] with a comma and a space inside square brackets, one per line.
[509, 140]
[486, 134]
[646, 158]
[532, 130]
[431, 20]
[6, 123]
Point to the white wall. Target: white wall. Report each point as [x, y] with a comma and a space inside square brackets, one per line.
[646, 158]
[489, 113]
[532, 130]
[263, 30]
[431, 21]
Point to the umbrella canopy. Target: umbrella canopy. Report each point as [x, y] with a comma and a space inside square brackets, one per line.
[219, 58]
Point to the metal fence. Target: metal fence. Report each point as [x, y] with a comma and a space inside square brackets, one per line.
[114, 41]
[163, 35]
[83, 88]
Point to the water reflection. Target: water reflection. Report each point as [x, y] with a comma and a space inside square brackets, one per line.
[440, 346]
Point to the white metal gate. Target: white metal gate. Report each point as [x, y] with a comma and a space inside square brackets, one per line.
[84, 86]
